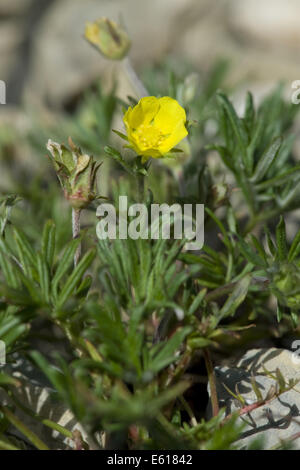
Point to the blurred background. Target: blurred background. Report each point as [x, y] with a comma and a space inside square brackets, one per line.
[42, 51]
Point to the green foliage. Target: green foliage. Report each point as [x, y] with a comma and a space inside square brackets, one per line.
[130, 322]
[256, 149]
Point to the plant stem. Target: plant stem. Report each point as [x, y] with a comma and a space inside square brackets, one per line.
[189, 411]
[76, 232]
[136, 82]
[248, 408]
[31, 436]
[212, 382]
[140, 182]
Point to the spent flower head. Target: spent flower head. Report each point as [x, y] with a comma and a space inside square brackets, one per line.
[155, 126]
[76, 172]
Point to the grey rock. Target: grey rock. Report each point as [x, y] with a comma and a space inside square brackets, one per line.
[61, 63]
[14, 7]
[277, 420]
[36, 394]
[64, 63]
[258, 20]
[11, 36]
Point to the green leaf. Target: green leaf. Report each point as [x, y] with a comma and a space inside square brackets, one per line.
[289, 175]
[17, 423]
[120, 134]
[257, 133]
[6, 379]
[14, 334]
[65, 263]
[31, 287]
[166, 355]
[226, 240]
[196, 302]
[75, 277]
[236, 298]
[115, 154]
[237, 127]
[6, 445]
[295, 318]
[237, 396]
[281, 241]
[250, 254]
[9, 324]
[44, 277]
[280, 379]
[199, 342]
[279, 313]
[224, 154]
[256, 389]
[270, 243]
[295, 248]
[25, 251]
[84, 287]
[9, 271]
[15, 296]
[59, 378]
[48, 242]
[259, 248]
[266, 161]
[249, 111]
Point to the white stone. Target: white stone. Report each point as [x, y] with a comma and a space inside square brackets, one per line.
[35, 394]
[273, 24]
[275, 421]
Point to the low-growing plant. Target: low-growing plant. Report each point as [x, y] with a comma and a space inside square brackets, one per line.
[127, 332]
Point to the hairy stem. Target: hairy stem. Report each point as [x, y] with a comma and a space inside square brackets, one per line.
[140, 184]
[76, 232]
[136, 82]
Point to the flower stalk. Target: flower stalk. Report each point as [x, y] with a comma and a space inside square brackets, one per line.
[76, 232]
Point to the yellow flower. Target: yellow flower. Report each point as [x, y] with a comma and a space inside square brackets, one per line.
[154, 126]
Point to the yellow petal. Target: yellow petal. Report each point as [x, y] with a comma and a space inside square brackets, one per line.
[92, 32]
[179, 133]
[144, 112]
[126, 118]
[169, 115]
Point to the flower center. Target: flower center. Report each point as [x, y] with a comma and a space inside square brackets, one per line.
[149, 136]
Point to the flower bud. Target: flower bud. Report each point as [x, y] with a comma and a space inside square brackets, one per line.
[109, 37]
[76, 172]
